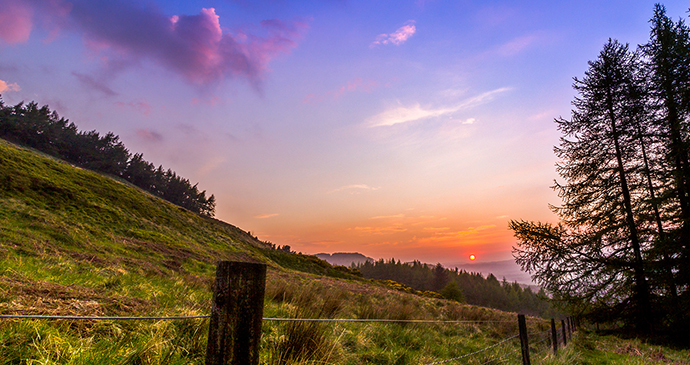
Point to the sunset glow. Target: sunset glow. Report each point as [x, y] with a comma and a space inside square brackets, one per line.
[415, 130]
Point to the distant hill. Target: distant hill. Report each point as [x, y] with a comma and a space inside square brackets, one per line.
[344, 258]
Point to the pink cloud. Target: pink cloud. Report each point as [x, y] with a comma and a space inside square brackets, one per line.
[16, 21]
[357, 84]
[19, 17]
[4, 86]
[142, 107]
[398, 37]
[193, 46]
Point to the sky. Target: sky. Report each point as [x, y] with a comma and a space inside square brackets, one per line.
[398, 129]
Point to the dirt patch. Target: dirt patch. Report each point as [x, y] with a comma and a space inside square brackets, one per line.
[44, 298]
[166, 250]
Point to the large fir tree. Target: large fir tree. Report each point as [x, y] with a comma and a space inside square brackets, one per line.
[621, 248]
[598, 248]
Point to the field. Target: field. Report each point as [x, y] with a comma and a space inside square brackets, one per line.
[76, 243]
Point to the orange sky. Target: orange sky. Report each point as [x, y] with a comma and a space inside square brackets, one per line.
[405, 129]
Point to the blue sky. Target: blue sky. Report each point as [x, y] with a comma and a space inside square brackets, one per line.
[407, 129]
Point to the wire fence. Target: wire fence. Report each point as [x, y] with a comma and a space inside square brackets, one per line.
[101, 318]
[22, 316]
[475, 352]
[493, 354]
[499, 352]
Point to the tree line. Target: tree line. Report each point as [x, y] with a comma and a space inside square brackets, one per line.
[621, 248]
[42, 129]
[459, 285]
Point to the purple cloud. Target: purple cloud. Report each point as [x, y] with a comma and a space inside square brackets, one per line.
[142, 107]
[19, 17]
[93, 84]
[149, 135]
[193, 46]
[15, 21]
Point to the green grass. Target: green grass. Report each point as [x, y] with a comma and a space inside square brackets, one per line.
[589, 347]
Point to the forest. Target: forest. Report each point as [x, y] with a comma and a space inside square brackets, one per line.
[620, 252]
[461, 286]
[42, 129]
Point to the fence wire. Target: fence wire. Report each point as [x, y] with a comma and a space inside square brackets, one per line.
[502, 358]
[544, 335]
[378, 320]
[20, 316]
[536, 335]
[476, 352]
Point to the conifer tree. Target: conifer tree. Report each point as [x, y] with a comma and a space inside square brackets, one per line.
[668, 53]
[596, 254]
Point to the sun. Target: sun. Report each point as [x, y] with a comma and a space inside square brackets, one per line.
[472, 257]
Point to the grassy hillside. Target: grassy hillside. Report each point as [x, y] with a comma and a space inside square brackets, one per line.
[75, 243]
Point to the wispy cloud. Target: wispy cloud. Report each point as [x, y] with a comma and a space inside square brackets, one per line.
[264, 216]
[142, 107]
[381, 230]
[149, 135]
[398, 37]
[436, 229]
[4, 86]
[354, 188]
[357, 84]
[388, 216]
[517, 45]
[453, 236]
[193, 46]
[94, 84]
[549, 114]
[405, 114]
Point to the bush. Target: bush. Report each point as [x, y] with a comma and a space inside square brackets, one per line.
[452, 292]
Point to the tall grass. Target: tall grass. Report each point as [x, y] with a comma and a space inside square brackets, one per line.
[373, 343]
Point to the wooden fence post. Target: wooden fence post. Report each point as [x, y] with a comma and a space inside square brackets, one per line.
[554, 336]
[523, 339]
[234, 333]
[565, 339]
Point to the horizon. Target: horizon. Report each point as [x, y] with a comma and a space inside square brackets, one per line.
[416, 130]
[502, 269]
